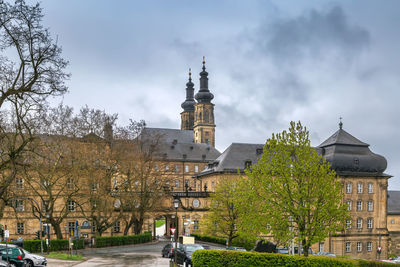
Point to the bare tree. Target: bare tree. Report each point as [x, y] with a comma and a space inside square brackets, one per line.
[141, 177]
[31, 69]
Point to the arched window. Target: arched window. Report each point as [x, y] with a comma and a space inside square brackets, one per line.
[206, 116]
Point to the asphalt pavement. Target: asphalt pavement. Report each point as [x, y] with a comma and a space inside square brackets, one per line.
[148, 254]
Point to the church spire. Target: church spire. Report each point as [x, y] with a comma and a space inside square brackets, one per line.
[204, 95]
[188, 104]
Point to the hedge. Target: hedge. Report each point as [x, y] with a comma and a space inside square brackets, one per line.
[55, 245]
[223, 258]
[122, 240]
[247, 244]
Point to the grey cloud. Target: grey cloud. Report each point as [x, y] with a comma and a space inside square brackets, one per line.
[316, 34]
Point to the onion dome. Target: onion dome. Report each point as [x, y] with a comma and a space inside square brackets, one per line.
[188, 105]
[348, 155]
[204, 95]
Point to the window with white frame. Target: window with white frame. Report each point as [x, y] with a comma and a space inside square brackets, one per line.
[196, 168]
[70, 184]
[71, 205]
[359, 205]
[166, 167]
[348, 247]
[20, 228]
[71, 227]
[359, 246]
[369, 246]
[321, 246]
[19, 205]
[370, 223]
[117, 227]
[94, 187]
[213, 186]
[176, 168]
[176, 183]
[348, 188]
[19, 183]
[359, 223]
[370, 188]
[370, 205]
[392, 221]
[359, 188]
[348, 204]
[348, 224]
[196, 225]
[186, 168]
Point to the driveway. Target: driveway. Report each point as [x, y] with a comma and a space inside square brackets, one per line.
[133, 255]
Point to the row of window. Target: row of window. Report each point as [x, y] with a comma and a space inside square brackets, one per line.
[359, 205]
[176, 168]
[359, 246]
[360, 188]
[359, 223]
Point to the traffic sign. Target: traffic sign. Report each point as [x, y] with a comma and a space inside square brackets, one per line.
[172, 230]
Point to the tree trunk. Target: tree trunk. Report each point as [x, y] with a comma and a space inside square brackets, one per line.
[128, 226]
[305, 248]
[138, 226]
[57, 230]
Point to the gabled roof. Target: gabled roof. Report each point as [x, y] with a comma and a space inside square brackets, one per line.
[174, 144]
[343, 138]
[168, 135]
[234, 158]
[393, 202]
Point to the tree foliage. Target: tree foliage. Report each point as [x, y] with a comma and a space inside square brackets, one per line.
[223, 215]
[292, 192]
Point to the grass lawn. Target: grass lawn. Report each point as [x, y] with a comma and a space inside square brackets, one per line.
[64, 256]
[160, 223]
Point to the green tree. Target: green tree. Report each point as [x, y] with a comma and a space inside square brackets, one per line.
[292, 192]
[223, 216]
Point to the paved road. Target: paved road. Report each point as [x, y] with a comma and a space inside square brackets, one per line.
[134, 255]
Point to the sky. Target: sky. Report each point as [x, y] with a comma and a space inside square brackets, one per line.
[269, 63]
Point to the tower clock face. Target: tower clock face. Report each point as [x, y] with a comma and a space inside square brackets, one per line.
[196, 203]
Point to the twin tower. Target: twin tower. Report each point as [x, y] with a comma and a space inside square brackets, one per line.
[199, 115]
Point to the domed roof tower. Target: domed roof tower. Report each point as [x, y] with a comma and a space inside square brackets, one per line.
[348, 155]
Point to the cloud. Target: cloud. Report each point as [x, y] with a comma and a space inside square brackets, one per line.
[315, 34]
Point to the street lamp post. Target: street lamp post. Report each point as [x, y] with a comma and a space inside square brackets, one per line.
[176, 205]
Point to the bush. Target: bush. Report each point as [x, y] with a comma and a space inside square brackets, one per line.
[238, 242]
[122, 240]
[55, 245]
[223, 258]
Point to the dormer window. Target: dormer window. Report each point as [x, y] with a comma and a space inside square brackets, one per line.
[247, 164]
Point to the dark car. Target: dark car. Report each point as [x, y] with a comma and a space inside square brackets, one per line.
[184, 254]
[15, 256]
[168, 250]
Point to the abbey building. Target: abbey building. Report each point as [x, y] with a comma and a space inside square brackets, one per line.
[191, 168]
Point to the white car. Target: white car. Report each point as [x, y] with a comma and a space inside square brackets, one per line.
[34, 260]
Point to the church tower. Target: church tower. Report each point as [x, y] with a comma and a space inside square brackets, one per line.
[204, 127]
[187, 115]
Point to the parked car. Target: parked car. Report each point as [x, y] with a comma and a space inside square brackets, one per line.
[282, 250]
[14, 254]
[323, 253]
[3, 263]
[392, 260]
[184, 254]
[236, 248]
[168, 250]
[34, 260]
